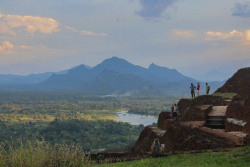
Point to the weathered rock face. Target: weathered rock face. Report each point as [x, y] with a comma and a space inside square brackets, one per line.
[183, 138]
[238, 83]
[178, 138]
[201, 100]
[191, 110]
[164, 120]
[145, 140]
[239, 108]
[196, 113]
[240, 111]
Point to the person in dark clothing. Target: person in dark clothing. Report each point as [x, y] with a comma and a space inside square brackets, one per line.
[176, 108]
[192, 87]
[156, 148]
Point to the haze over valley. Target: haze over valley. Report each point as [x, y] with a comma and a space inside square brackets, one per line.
[112, 76]
[92, 82]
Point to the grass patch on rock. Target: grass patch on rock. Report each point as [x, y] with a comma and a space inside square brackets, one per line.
[224, 95]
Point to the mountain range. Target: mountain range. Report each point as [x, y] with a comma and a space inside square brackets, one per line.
[115, 76]
[11, 79]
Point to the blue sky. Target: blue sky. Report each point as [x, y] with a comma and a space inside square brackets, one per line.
[192, 36]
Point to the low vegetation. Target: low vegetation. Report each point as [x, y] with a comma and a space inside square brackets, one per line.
[42, 154]
[238, 157]
[74, 118]
[224, 95]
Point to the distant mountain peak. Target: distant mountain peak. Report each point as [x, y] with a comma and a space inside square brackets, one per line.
[118, 64]
[153, 65]
[114, 57]
[79, 68]
[89, 67]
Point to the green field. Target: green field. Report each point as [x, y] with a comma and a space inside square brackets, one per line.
[236, 158]
[62, 155]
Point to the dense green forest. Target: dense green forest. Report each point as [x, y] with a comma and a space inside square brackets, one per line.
[73, 118]
[87, 134]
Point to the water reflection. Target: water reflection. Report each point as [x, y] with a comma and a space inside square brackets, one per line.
[135, 119]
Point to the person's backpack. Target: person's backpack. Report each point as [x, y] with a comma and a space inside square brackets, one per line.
[208, 88]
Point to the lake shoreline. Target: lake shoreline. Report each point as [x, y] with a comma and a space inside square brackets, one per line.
[135, 119]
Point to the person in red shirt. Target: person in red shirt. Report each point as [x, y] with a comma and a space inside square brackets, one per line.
[198, 89]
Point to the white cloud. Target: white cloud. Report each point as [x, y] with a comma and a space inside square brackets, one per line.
[5, 29]
[70, 28]
[182, 33]
[6, 47]
[231, 34]
[90, 33]
[1, 15]
[248, 35]
[32, 24]
[24, 47]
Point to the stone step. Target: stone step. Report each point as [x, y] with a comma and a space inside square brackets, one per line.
[207, 133]
[203, 107]
[221, 135]
[238, 134]
[192, 124]
[218, 111]
[216, 126]
[216, 117]
[216, 122]
[228, 101]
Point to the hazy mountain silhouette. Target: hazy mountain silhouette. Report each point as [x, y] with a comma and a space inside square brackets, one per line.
[119, 65]
[76, 78]
[161, 75]
[111, 80]
[154, 74]
[31, 78]
[18, 79]
[115, 75]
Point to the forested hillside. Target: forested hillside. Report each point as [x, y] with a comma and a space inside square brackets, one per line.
[74, 118]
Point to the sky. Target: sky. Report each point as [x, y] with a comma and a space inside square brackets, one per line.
[192, 36]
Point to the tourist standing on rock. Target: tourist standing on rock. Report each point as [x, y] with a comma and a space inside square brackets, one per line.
[172, 111]
[192, 87]
[198, 89]
[207, 88]
[176, 108]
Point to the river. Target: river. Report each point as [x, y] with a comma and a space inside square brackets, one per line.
[135, 119]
